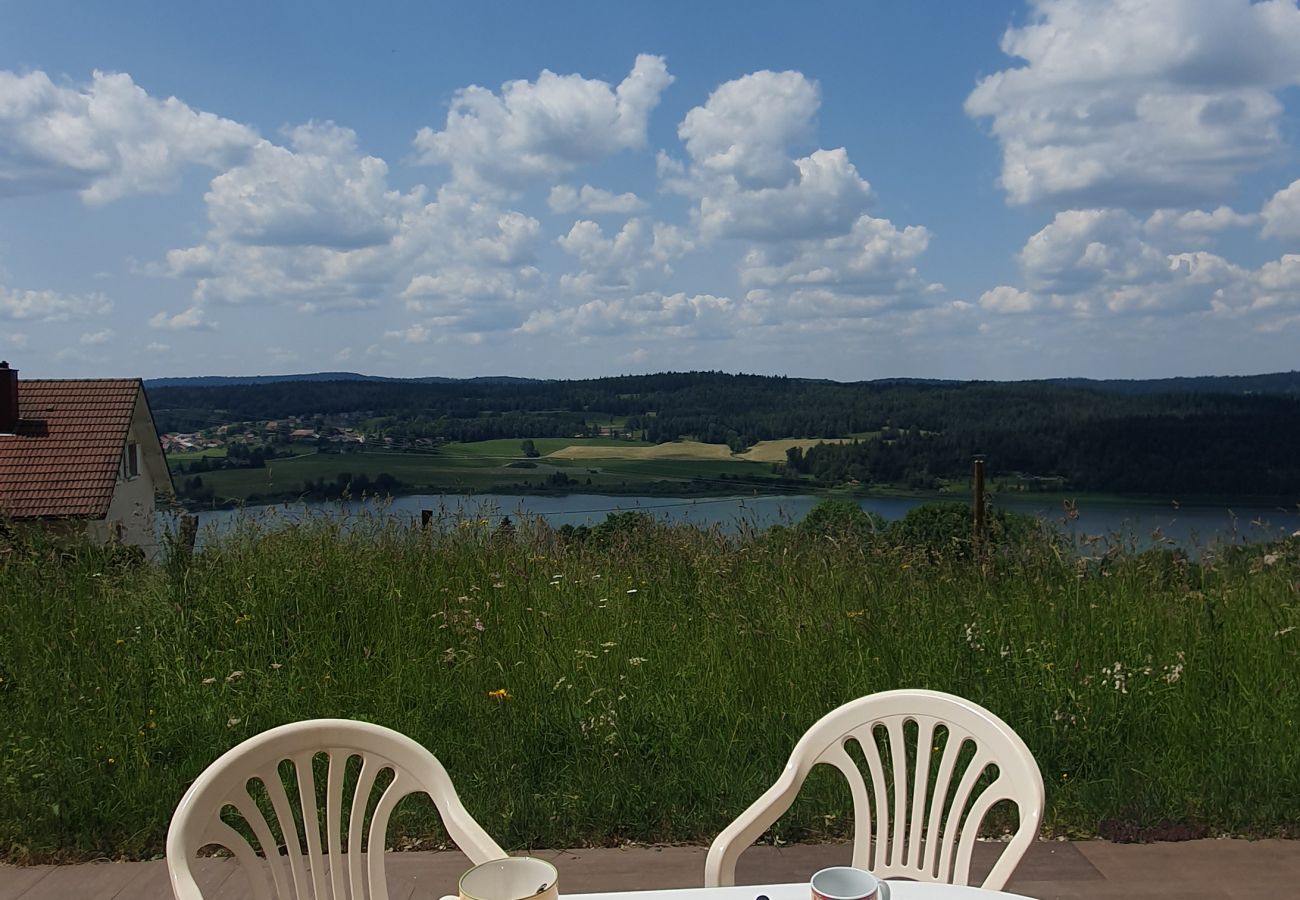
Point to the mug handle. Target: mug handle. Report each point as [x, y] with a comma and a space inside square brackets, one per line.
[884, 890]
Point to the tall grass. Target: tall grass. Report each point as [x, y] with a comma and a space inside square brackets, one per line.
[645, 684]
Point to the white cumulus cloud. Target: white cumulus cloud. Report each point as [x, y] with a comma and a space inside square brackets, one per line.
[1281, 214]
[92, 338]
[51, 306]
[592, 201]
[1196, 223]
[639, 251]
[648, 316]
[193, 318]
[539, 130]
[1005, 299]
[320, 190]
[1140, 103]
[106, 139]
[315, 225]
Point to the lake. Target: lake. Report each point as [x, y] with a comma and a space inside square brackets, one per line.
[1190, 527]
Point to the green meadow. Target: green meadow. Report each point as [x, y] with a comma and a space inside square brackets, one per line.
[640, 682]
[477, 466]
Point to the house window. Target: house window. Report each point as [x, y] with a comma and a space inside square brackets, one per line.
[130, 461]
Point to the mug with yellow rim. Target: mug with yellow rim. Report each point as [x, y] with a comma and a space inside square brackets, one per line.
[511, 878]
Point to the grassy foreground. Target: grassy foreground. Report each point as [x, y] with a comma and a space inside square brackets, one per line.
[644, 684]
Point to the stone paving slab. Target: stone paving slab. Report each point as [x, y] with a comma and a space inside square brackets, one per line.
[1051, 870]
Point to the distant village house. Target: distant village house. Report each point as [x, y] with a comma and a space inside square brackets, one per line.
[81, 455]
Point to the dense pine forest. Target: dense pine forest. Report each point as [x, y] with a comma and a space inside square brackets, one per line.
[1199, 437]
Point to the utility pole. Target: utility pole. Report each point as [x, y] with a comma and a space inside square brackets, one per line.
[979, 499]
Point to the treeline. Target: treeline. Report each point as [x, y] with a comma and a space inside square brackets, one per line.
[912, 433]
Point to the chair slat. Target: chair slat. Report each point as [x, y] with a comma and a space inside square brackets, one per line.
[966, 844]
[951, 750]
[304, 769]
[898, 756]
[249, 862]
[356, 824]
[952, 824]
[288, 829]
[388, 800]
[334, 819]
[920, 784]
[838, 757]
[253, 816]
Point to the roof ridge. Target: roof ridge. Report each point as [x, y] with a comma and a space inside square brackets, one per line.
[73, 380]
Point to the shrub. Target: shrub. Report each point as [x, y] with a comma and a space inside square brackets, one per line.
[841, 519]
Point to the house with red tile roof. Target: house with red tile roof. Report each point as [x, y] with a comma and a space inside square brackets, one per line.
[81, 454]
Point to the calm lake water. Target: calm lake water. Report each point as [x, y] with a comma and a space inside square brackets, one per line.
[1143, 524]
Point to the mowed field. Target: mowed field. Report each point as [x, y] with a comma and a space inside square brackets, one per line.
[762, 452]
[774, 451]
[630, 450]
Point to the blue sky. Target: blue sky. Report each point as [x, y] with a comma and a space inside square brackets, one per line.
[842, 190]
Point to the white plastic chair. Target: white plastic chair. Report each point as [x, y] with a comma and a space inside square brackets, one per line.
[197, 822]
[915, 828]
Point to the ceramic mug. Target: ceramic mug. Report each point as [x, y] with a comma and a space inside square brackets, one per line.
[511, 878]
[847, 883]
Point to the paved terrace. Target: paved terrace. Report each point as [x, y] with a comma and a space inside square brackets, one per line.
[1192, 870]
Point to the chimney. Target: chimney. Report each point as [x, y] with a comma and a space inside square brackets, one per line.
[8, 399]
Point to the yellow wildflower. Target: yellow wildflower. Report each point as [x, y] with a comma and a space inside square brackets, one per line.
[499, 694]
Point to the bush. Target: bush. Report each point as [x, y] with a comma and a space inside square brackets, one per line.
[949, 528]
[841, 519]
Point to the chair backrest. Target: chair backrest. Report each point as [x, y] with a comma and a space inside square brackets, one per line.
[920, 815]
[253, 770]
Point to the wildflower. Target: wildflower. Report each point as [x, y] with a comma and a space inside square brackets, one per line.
[242, 618]
[855, 613]
[636, 660]
[232, 722]
[498, 584]
[499, 694]
[631, 590]
[1282, 631]
[276, 666]
[478, 624]
[1270, 558]
[209, 681]
[234, 675]
[120, 642]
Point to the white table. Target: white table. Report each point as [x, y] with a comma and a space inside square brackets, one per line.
[898, 890]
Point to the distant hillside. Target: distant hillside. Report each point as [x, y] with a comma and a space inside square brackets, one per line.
[1275, 383]
[203, 381]
[1272, 383]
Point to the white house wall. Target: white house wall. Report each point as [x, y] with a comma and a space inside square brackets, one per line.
[131, 512]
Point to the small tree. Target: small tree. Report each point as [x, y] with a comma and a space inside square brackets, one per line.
[529, 449]
[841, 519]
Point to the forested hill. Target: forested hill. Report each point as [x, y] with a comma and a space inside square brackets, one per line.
[1088, 437]
[1275, 383]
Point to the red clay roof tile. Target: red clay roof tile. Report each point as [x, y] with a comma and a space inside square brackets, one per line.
[65, 457]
